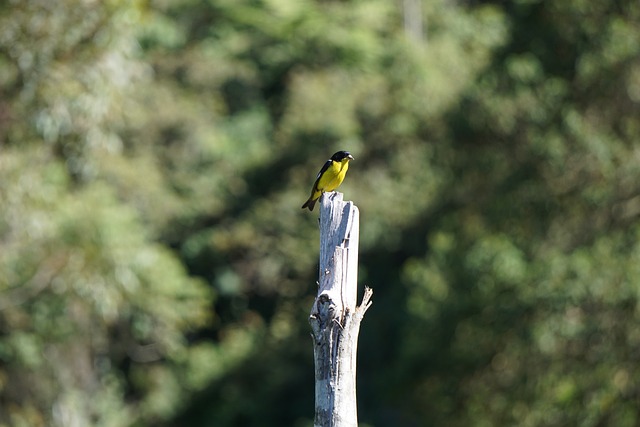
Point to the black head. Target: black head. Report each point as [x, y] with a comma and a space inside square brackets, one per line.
[341, 155]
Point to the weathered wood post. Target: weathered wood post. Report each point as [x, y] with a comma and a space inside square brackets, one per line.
[335, 318]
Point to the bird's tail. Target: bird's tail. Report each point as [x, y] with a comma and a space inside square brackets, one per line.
[310, 203]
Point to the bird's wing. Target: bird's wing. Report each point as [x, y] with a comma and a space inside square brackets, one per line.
[324, 168]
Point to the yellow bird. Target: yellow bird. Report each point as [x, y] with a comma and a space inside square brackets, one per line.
[330, 177]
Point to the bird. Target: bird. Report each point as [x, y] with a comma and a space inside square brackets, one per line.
[330, 177]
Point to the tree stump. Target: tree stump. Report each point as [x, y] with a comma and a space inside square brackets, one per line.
[335, 318]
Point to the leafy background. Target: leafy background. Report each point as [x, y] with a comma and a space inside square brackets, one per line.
[156, 267]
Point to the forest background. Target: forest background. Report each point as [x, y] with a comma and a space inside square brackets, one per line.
[156, 268]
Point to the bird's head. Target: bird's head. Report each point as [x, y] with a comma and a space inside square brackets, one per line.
[342, 156]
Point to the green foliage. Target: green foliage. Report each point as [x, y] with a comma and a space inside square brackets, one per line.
[153, 254]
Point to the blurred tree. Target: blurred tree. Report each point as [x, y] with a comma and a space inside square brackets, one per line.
[154, 155]
[528, 280]
[95, 312]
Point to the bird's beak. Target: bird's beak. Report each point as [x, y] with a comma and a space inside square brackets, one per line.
[350, 157]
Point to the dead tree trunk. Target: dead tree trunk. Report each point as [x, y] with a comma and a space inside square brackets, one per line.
[335, 318]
